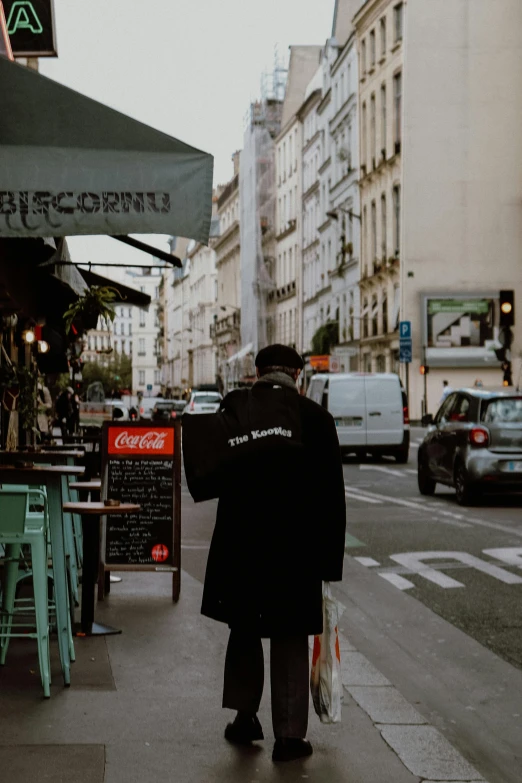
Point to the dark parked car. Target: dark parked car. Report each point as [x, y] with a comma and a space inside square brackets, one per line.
[474, 444]
[167, 410]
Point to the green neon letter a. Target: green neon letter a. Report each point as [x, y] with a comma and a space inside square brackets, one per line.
[23, 17]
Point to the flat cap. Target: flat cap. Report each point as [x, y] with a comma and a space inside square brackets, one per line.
[279, 356]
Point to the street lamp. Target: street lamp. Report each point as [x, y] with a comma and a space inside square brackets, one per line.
[334, 214]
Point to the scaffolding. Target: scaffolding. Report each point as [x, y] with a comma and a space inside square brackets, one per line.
[257, 206]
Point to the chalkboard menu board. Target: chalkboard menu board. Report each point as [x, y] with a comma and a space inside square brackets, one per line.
[141, 464]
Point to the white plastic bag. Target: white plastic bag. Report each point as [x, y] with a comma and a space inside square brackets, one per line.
[325, 678]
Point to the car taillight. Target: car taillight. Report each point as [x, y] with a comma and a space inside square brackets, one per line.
[406, 415]
[173, 414]
[141, 410]
[479, 436]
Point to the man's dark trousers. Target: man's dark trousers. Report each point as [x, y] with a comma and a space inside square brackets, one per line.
[289, 678]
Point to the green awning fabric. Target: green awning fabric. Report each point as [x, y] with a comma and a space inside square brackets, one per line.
[70, 165]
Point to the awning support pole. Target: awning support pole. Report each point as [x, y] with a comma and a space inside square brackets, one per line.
[153, 251]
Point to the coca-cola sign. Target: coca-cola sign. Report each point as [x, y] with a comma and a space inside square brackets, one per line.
[137, 441]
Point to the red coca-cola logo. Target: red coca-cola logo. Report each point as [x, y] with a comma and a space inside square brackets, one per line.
[160, 553]
[141, 440]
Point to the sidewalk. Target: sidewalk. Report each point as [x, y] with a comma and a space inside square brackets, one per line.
[146, 706]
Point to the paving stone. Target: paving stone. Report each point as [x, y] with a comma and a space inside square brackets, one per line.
[426, 753]
[385, 705]
[53, 763]
[357, 670]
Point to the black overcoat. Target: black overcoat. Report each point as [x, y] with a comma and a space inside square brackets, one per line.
[280, 527]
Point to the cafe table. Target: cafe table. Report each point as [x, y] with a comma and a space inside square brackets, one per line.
[51, 477]
[91, 553]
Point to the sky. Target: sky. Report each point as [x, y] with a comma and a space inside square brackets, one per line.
[189, 68]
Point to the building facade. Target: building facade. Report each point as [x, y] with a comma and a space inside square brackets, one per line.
[146, 372]
[226, 326]
[287, 296]
[462, 174]
[379, 26]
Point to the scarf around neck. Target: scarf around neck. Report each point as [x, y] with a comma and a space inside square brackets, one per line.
[278, 379]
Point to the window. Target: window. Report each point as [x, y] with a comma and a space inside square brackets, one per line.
[383, 36]
[380, 363]
[397, 219]
[375, 311]
[398, 18]
[383, 122]
[372, 49]
[363, 133]
[365, 316]
[363, 59]
[141, 377]
[384, 313]
[156, 376]
[374, 231]
[384, 242]
[142, 317]
[373, 130]
[397, 110]
[141, 346]
[365, 239]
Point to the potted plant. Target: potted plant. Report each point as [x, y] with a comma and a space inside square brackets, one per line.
[97, 303]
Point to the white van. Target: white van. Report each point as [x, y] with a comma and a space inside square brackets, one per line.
[370, 411]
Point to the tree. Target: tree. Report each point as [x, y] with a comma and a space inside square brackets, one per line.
[115, 377]
[325, 338]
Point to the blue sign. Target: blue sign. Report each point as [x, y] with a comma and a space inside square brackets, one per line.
[149, 387]
[405, 351]
[405, 330]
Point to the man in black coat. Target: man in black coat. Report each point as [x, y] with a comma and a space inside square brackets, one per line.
[280, 532]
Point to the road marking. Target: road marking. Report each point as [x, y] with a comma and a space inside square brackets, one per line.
[457, 519]
[359, 497]
[367, 561]
[390, 471]
[414, 445]
[510, 555]
[411, 470]
[350, 541]
[414, 562]
[398, 581]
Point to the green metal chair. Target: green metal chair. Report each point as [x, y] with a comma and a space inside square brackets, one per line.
[17, 529]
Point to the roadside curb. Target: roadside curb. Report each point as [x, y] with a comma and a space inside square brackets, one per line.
[421, 748]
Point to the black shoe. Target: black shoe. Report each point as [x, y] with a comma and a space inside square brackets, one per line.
[288, 749]
[244, 730]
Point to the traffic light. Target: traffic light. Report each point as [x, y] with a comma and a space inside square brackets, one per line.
[507, 309]
[424, 369]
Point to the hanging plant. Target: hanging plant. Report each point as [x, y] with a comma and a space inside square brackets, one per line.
[97, 303]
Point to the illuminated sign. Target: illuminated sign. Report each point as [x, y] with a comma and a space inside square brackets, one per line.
[30, 24]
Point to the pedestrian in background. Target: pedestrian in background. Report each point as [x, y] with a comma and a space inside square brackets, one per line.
[280, 532]
[446, 390]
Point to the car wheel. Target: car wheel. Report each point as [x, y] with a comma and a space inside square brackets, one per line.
[465, 492]
[425, 482]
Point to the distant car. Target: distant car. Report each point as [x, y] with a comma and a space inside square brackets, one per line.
[167, 410]
[474, 444]
[146, 406]
[203, 402]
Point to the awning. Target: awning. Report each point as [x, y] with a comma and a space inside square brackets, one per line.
[126, 295]
[241, 354]
[70, 165]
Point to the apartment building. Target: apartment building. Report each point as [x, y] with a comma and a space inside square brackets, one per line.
[462, 191]
[200, 310]
[146, 372]
[315, 275]
[340, 211]
[379, 26]
[287, 296]
[226, 326]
